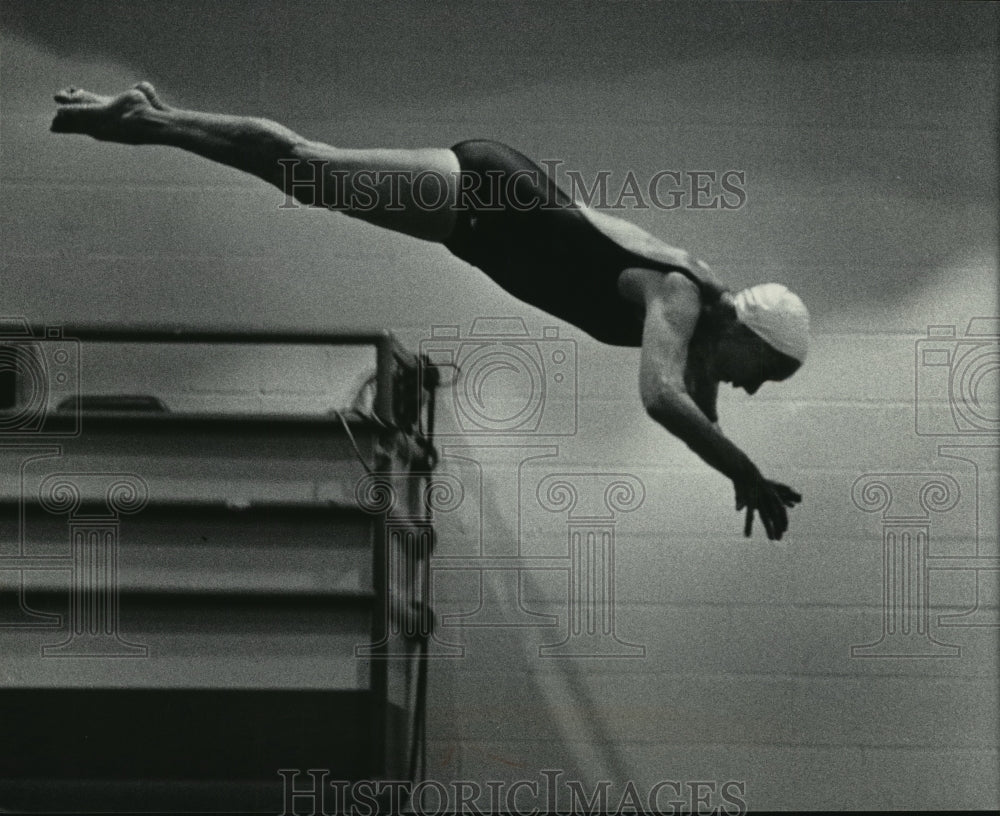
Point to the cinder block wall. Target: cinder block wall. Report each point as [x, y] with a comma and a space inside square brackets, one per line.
[868, 139]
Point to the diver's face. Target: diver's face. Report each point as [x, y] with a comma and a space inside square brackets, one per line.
[748, 362]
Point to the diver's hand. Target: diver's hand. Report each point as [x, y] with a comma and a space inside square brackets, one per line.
[768, 499]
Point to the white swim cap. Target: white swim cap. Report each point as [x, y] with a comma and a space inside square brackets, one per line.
[777, 316]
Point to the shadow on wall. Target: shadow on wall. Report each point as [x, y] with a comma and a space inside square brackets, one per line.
[512, 711]
[188, 44]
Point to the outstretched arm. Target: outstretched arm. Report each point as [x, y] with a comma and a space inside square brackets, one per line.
[672, 309]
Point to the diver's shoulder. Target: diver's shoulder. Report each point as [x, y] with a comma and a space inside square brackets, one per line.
[679, 289]
[657, 254]
[667, 292]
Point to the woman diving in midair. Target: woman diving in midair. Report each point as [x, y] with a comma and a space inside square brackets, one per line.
[497, 210]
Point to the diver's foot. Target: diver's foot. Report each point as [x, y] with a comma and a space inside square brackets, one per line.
[108, 118]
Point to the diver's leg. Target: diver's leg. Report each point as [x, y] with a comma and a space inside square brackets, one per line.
[410, 191]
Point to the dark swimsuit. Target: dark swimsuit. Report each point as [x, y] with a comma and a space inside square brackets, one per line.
[519, 228]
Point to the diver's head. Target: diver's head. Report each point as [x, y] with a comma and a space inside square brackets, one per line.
[767, 340]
